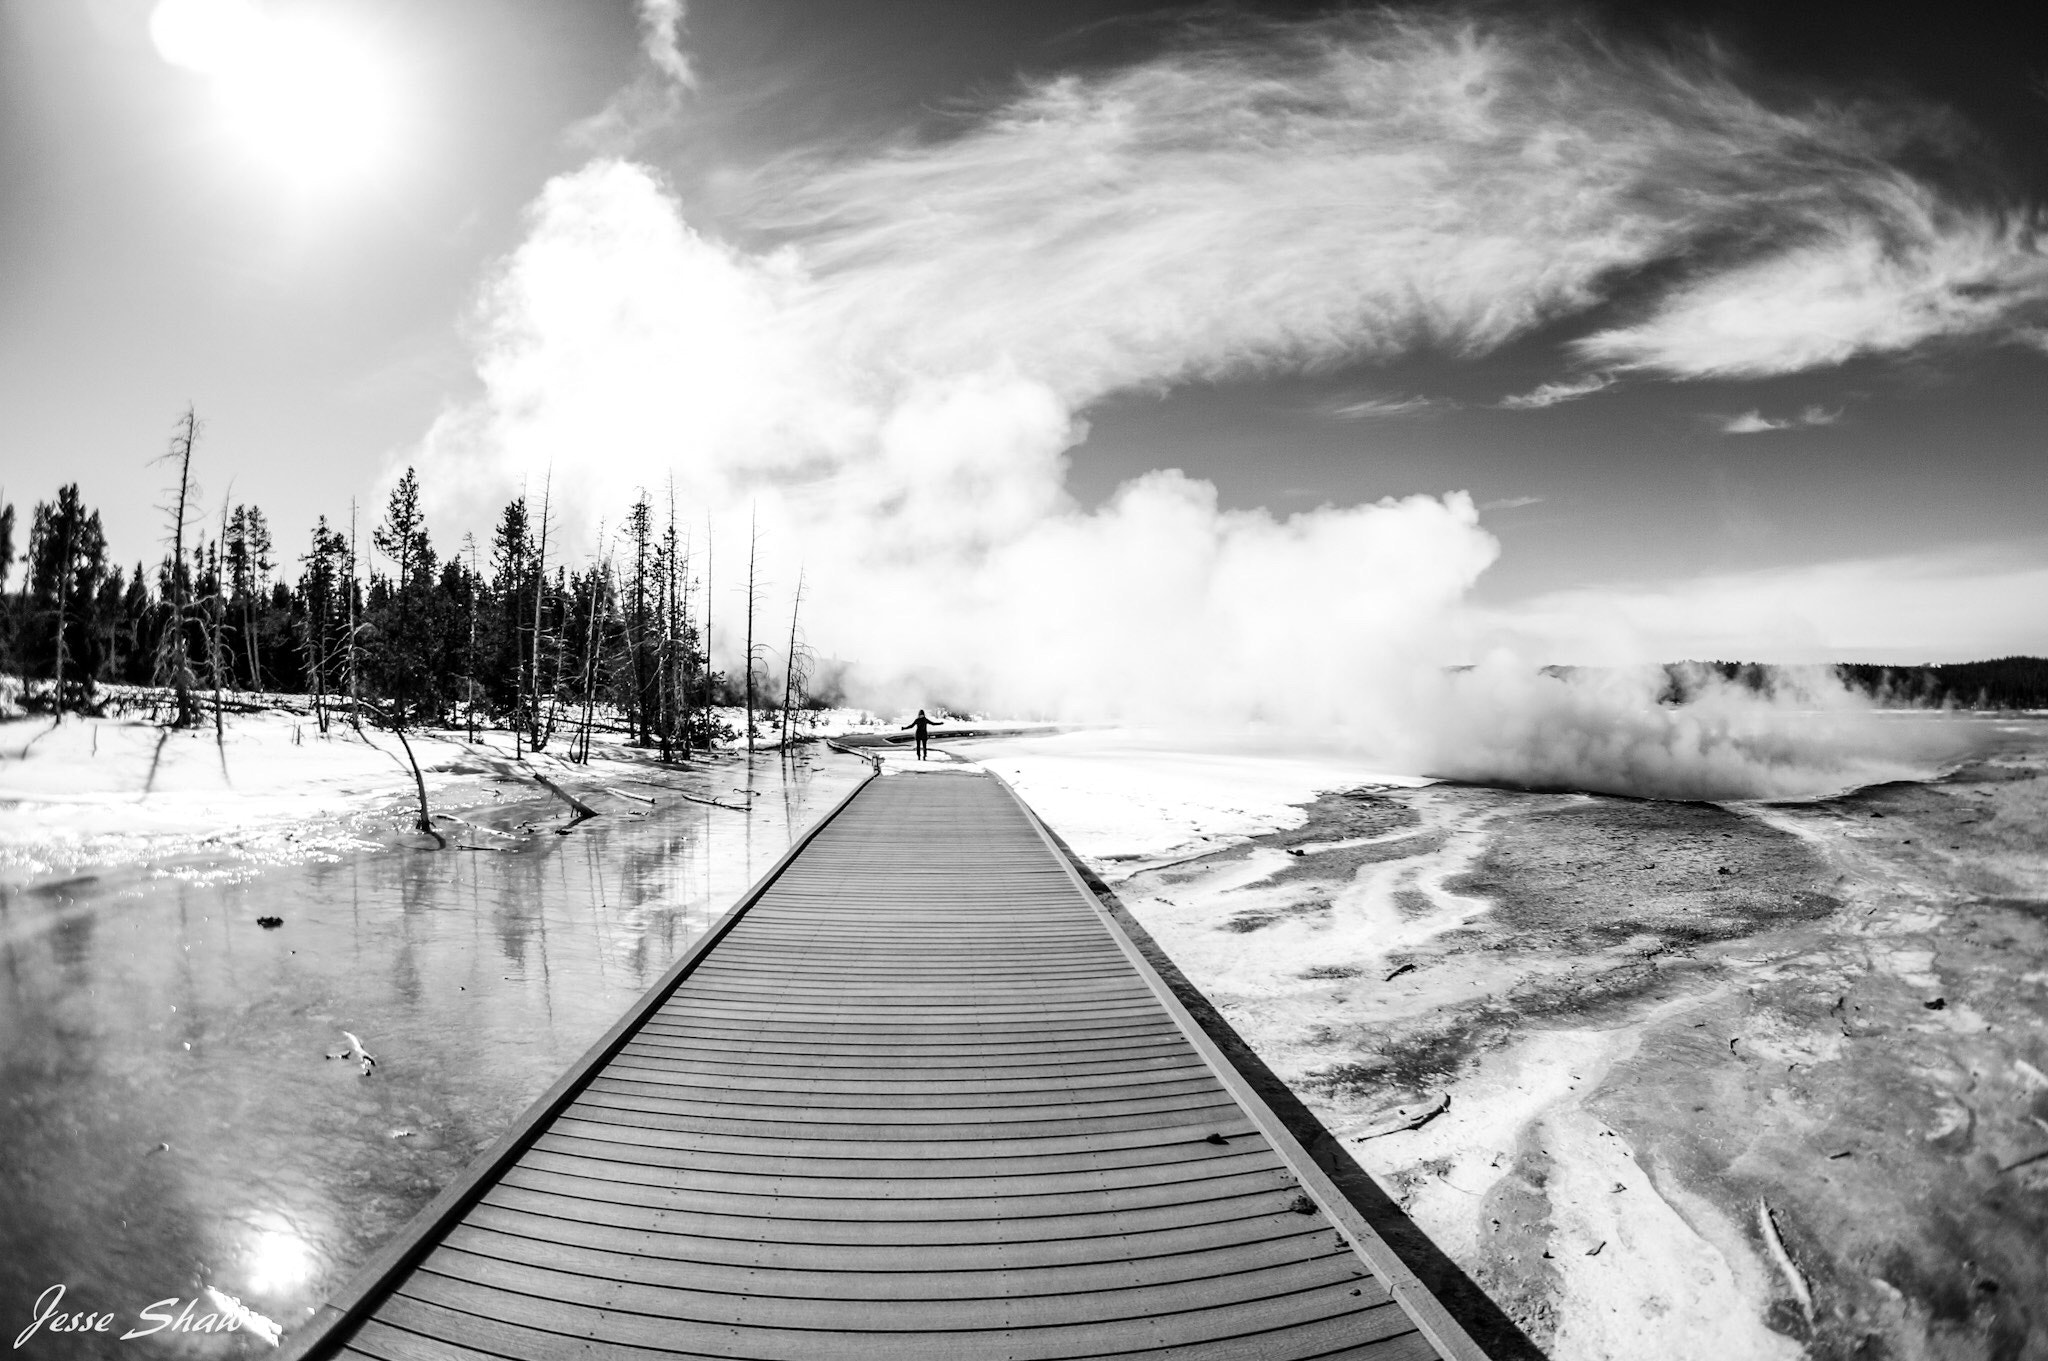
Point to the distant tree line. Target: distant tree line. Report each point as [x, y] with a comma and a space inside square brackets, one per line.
[505, 636]
[2002, 683]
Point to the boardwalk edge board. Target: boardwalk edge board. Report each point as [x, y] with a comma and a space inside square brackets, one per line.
[1430, 1316]
[323, 1334]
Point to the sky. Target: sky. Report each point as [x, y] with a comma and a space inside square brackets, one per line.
[1584, 332]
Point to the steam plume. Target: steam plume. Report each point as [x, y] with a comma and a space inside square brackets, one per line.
[899, 390]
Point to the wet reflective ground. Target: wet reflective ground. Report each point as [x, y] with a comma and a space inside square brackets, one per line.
[169, 1118]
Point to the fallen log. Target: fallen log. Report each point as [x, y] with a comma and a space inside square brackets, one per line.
[582, 810]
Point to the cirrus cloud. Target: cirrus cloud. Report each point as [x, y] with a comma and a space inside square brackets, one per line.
[1906, 271]
[1551, 394]
[1755, 422]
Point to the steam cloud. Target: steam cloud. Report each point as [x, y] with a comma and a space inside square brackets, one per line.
[895, 394]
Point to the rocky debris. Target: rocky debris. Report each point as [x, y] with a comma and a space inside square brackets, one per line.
[1413, 1116]
[355, 1051]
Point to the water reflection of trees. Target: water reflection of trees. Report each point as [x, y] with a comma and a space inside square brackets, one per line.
[283, 1164]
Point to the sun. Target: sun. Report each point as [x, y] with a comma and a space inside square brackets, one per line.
[303, 93]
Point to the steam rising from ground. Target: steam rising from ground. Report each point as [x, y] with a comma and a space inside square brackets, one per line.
[1607, 732]
[896, 393]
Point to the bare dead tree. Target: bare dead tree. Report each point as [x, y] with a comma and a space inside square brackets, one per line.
[565, 593]
[686, 662]
[709, 667]
[540, 584]
[669, 634]
[469, 679]
[355, 694]
[641, 717]
[216, 618]
[425, 821]
[65, 554]
[171, 662]
[515, 573]
[590, 667]
[789, 675]
[753, 599]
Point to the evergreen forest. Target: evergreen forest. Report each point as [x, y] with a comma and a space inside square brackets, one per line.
[376, 622]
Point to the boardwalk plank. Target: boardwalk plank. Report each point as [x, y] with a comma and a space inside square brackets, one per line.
[883, 1323]
[650, 1204]
[823, 1300]
[495, 1337]
[917, 1101]
[1160, 1250]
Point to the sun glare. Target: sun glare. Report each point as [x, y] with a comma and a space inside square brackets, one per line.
[276, 1258]
[302, 92]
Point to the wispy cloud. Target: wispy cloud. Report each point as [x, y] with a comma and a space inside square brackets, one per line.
[654, 98]
[1550, 394]
[1511, 503]
[1384, 406]
[1755, 422]
[1892, 270]
[1278, 197]
[661, 33]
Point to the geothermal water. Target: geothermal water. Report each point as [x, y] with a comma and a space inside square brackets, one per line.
[1660, 1027]
[170, 1118]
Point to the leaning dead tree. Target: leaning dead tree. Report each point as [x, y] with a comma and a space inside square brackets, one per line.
[792, 679]
[172, 664]
[395, 720]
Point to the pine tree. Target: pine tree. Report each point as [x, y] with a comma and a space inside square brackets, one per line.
[248, 548]
[407, 649]
[323, 613]
[640, 531]
[511, 581]
[67, 565]
[6, 540]
[136, 610]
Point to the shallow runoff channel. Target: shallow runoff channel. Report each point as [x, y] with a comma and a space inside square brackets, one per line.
[171, 1118]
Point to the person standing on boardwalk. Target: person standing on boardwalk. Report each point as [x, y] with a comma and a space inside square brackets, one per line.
[921, 723]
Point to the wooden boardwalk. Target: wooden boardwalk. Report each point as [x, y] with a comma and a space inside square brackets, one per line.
[915, 1097]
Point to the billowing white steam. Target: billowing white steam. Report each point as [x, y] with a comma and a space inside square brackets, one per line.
[896, 395]
[1608, 732]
